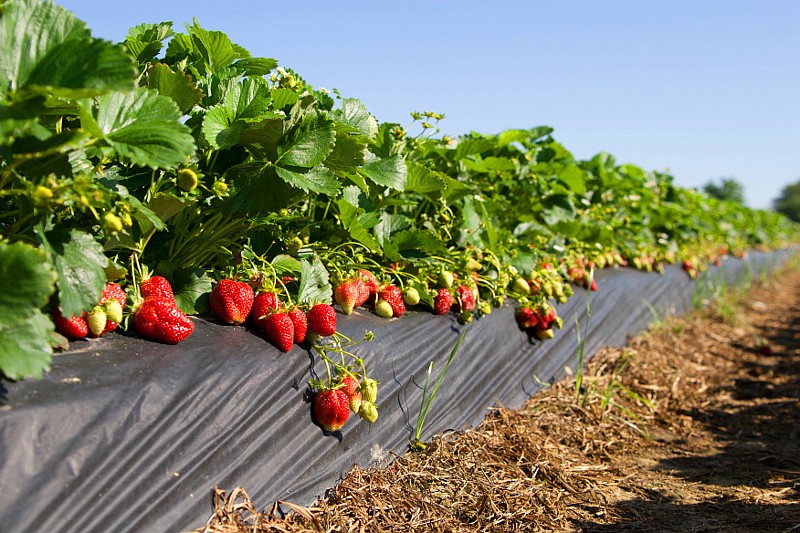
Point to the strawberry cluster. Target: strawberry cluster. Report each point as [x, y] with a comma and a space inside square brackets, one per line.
[157, 316]
[539, 320]
[102, 319]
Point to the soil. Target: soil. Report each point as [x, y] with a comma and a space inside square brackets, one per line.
[693, 426]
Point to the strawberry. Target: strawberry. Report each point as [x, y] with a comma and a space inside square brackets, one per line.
[593, 286]
[279, 328]
[113, 300]
[527, 317]
[231, 301]
[369, 390]
[411, 296]
[263, 303]
[521, 286]
[363, 291]
[159, 319]
[352, 388]
[445, 279]
[300, 324]
[368, 411]
[383, 309]
[156, 286]
[369, 280]
[346, 295]
[96, 320]
[442, 302]
[394, 296]
[74, 327]
[322, 320]
[332, 409]
[465, 298]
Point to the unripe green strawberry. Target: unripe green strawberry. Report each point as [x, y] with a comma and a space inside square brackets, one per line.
[543, 334]
[42, 196]
[383, 309]
[113, 311]
[112, 223]
[96, 320]
[186, 179]
[113, 301]
[368, 412]
[331, 409]
[521, 286]
[411, 296]
[369, 390]
[445, 279]
[473, 265]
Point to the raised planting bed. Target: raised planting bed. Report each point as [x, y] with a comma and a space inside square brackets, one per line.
[127, 434]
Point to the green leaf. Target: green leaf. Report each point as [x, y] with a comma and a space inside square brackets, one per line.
[27, 280]
[177, 85]
[558, 208]
[574, 178]
[80, 264]
[255, 66]
[283, 97]
[266, 133]
[245, 102]
[512, 136]
[145, 41]
[260, 189]
[423, 180]
[390, 172]
[311, 144]
[314, 283]
[389, 225]
[25, 346]
[354, 113]
[192, 287]
[286, 264]
[349, 151]
[142, 127]
[414, 243]
[318, 180]
[214, 47]
[472, 146]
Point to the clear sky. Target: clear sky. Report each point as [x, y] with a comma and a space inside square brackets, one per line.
[704, 90]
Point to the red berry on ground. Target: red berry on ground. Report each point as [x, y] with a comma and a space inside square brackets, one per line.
[74, 327]
[394, 296]
[300, 324]
[263, 304]
[231, 301]
[369, 280]
[363, 292]
[332, 409]
[322, 320]
[346, 295]
[466, 298]
[443, 301]
[527, 318]
[159, 319]
[112, 291]
[279, 328]
[156, 286]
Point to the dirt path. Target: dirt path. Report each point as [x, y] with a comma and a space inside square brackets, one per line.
[694, 426]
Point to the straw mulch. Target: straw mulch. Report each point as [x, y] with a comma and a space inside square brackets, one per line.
[691, 427]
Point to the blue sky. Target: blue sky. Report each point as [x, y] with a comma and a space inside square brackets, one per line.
[703, 90]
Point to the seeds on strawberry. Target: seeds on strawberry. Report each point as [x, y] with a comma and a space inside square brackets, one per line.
[159, 319]
[346, 295]
[322, 320]
[96, 320]
[331, 409]
[368, 411]
[156, 286]
[263, 303]
[280, 330]
[383, 309]
[369, 280]
[352, 388]
[369, 390]
[113, 300]
[231, 301]
[74, 327]
[465, 298]
[300, 324]
[411, 296]
[393, 295]
[443, 301]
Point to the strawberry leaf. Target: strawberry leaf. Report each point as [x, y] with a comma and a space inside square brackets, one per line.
[319, 180]
[80, 264]
[311, 144]
[24, 346]
[20, 261]
[390, 172]
[423, 180]
[314, 283]
[145, 41]
[177, 85]
[142, 126]
[355, 113]
[192, 287]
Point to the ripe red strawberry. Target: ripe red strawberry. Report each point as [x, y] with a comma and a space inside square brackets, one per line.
[156, 286]
[112, 290]
[300, 324]
[279, 328]
[394, 296]
[363, 292]
[369, 280]
[74, 327]
[352, 388]
[263, 303]
[593, 286]
[442, 302]
[346, 295]
[465, 298]
[322, 320]
[159, 319]
[332, 409]
[231, 301]
[527, 317]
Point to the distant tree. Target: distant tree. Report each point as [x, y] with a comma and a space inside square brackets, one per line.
[788, 203]
[728, 189]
